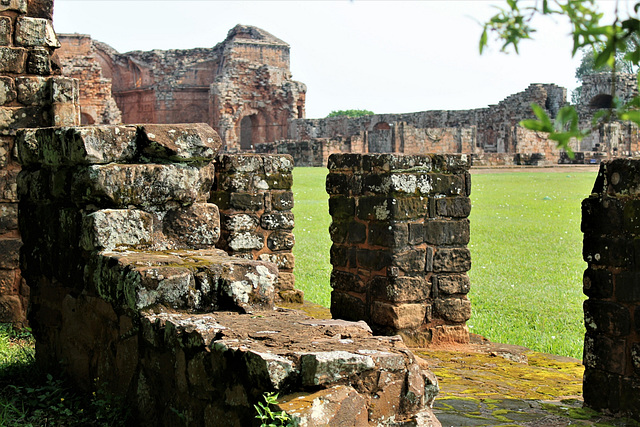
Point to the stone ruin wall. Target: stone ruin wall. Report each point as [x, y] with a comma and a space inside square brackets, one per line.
[490, 135]
[32, 94]
[78, 59]
[130, 293]
[611, 226]
[242, 87]
[400, 233]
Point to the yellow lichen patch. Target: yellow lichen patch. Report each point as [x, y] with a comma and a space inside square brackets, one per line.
[482, 375]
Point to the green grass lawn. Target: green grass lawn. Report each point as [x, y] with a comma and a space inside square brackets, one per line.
[526, 252]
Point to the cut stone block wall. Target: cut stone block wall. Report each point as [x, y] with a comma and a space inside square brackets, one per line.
[253, 193]
[611, 227]
[31, 96]
[400, 232]
[130, 294]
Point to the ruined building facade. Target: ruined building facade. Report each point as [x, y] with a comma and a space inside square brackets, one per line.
[242, 87]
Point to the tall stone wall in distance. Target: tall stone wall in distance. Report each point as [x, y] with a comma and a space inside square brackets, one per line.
[400, 232]
[32, 95]
[611, 227]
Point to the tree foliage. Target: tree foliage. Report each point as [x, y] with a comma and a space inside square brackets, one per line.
[350, 113]
[610, 42]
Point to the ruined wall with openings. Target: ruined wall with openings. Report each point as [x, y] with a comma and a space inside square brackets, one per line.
[611, 226]
[32, 95]
[242, 87]
[130, 293]
[490, 135]
[79, 60]
[400, 232]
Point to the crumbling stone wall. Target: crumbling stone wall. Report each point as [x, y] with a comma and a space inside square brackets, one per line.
[79, 61]
[130, 293]
[400, 232]
[242, 87]
[32, 95]
[611, 226]
[254, 196]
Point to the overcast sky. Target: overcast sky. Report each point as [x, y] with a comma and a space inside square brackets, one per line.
[384, 56]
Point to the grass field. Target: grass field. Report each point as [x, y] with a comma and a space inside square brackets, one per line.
[526, 252]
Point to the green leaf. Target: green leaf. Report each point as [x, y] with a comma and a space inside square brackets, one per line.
[483, 39]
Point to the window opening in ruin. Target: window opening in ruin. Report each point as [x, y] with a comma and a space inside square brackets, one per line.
[247, 125]
[382, 126]
[601, 101]
[300, 112]
[86, 119]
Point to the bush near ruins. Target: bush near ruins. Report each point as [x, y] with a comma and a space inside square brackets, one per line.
[350, 113]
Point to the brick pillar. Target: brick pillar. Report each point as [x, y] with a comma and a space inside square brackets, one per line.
[30, 97]
[399, 253]
[253, 193]
[611, 227]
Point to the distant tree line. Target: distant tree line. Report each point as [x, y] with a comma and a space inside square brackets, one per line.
[350, 113]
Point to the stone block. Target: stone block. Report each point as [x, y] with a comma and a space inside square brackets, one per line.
[400, 289]
[450, 284]
[7, 90]
[607, 317]
[22, 117]
[411, 261]
[635, 358]
[10, 252]
[630, 397]
[348, 306]
[342, 207]
[345, 161]
[606, 353]
[35, 32]
[607, 251]
[65, 114]
[454, 207]
[416, 233]
[337, 406]
[246, 241]
[373, 260]
[9, 282]
[388, 235]
[329, 367]
[284, 261]
[33, 90]
[345, 184]
[246, 201]
[8, 185]
[195, 142]
[348, 282]
[447, 185]
[195, 226]
[453, 260]
[597, 283]
[39, 61]
[7, 152]
[11, 310]
[8, 217]
[282, 200]
[278, 163]
[13, 60]
[279, 181]
[41, 9]
[241, 222]
[339, 232]
[64, 90]
[285, 282]
[601, 390]
[356, 232]
[627, 287]
[400, 316]
[277, 221]
[111, 229]
[457, 310]
[122, 185]
[241, 163]
[14, 5]
[280, 241]
[408, 208]
[446, 232]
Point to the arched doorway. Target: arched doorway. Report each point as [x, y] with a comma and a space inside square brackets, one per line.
[381, 138]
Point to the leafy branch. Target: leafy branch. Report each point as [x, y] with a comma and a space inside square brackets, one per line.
[511, 25]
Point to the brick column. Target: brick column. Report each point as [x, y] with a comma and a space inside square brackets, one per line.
[611, 227]
[30, 97]
[253, 193]
[399, 253]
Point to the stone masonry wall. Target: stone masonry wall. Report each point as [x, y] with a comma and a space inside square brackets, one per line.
[400, 233]
[31, 96]
[130, 294]
[253, 193]
[611, 227]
